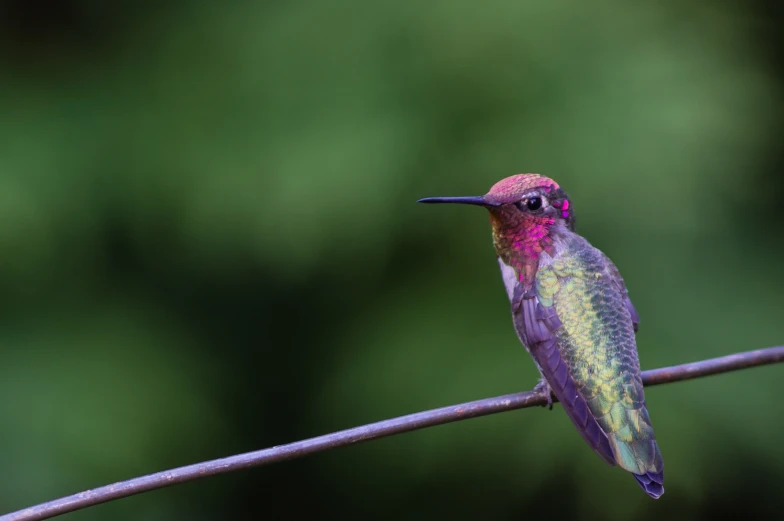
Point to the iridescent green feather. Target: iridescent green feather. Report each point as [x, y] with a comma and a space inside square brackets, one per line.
[597, 342]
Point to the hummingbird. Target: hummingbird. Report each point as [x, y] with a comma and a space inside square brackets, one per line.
[572, 312]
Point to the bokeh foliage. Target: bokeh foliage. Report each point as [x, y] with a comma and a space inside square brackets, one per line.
[210, 244]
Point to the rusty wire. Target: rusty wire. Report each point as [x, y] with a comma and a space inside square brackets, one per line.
[367, 432]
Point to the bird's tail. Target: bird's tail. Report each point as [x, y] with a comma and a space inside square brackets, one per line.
[636, 450]
[652, 483]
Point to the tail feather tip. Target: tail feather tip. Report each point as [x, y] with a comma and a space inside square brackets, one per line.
[652, 483]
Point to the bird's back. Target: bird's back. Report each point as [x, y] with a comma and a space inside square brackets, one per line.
[597, 341]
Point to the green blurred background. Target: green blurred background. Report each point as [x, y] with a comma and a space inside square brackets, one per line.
[210, 244]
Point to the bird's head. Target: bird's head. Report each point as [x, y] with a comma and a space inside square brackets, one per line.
[522, 204]
[524, 209]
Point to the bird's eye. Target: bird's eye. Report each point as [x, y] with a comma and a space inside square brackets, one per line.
[533, 203]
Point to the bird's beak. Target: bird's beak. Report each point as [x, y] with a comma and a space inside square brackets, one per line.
[475, 200]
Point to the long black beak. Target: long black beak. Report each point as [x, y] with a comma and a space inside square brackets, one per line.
[475, 200]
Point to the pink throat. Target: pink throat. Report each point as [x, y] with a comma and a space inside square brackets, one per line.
[520, 247]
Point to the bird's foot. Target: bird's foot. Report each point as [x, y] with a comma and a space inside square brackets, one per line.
[544, 387]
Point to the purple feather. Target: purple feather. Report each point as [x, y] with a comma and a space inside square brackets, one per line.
[541, 342]
[652, 483]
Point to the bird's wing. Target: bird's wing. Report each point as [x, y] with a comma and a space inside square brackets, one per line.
[535, 325]
[615, 275]
[579, 328]
[594, 335]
